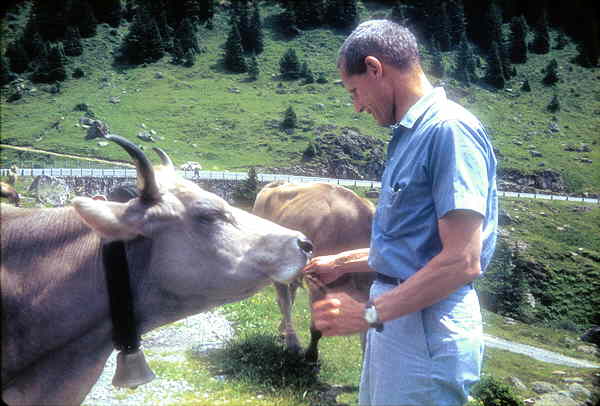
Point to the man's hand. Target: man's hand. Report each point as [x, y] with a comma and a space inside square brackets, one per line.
[329, 268]
[339, 314]
[326, 268]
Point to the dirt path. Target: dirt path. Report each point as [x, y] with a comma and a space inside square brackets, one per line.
[81, 158]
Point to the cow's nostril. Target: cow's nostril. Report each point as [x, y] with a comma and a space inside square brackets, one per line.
[305, 245]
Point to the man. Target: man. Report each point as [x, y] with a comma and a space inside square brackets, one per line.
[433, 233]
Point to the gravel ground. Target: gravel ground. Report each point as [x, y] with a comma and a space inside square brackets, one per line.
[199, 333]
[538, 353]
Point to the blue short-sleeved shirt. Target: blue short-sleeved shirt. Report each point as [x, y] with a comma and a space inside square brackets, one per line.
[439, 159]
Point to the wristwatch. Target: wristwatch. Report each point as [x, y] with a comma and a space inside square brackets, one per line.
[372, 317]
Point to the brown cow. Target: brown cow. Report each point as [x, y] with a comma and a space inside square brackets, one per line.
[335, 219]
[9, 192]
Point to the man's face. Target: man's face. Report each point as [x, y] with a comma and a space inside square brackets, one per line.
[369, 93]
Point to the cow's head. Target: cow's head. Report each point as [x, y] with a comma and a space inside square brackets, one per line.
[198, 239]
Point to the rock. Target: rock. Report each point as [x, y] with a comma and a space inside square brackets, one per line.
[50, 190]
[102, 143]
[579, 391]
[592, 335]
[372, 194]
[97, 129]
[553, 127]
[517, 383]
[159, 75]
[504, 218]
[555, 399]
[114, 100]
[145, 136]
[543, 387]
[587, 349]
[573, 380]
[536, 154]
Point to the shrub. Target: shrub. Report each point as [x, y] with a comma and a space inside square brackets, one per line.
[289, 120]
[78, 73]
[492, 392]
[289, 65]
[246, 191]
[263, 360]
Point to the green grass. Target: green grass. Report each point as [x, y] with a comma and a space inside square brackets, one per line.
[254, 369]
[199, 114]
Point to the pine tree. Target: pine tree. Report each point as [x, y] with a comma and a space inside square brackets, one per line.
[494, 75]
[186, 45]
[81, 15]
[554, 105]
[18, 56]
[306, 73]
[289, 65]
[5, 74]
[241, 12]
[253, 69]
[255, 31]
[143, 43]
[443, 33]
[518, 40]
[342, 14]
[494, 23]
[166, 31]
[398, 14]
[56, 64]
[551, 76]
[51, 18]
[588, 46]
[458, 21]
[437, 62]
[541, 39]
[465, 62]
[305, 11]
[246, 191]
[234, 54]
[113, 13]
[289, 119]
[72, 42]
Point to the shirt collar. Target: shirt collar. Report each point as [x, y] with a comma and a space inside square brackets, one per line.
[419, 108]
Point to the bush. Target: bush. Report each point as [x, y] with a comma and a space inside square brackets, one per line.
[78, 73]
[492, 392]
[263, 360]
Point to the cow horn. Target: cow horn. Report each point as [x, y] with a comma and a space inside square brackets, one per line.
[166, 160]
[145, 173]
[132, 370]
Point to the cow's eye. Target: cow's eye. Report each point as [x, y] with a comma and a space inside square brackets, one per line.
[210, 215]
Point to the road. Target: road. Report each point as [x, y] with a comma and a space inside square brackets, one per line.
[263, 177]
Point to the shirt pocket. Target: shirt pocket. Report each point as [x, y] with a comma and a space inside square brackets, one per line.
[390, 212]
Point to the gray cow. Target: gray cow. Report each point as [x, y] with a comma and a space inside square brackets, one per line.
[198, 252]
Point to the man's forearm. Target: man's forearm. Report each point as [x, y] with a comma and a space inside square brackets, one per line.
[434, 282]
[353, 261]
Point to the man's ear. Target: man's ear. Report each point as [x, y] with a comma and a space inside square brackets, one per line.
[109, 219]
[374, 66]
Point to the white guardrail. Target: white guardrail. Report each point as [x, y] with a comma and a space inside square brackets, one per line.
[262, 177]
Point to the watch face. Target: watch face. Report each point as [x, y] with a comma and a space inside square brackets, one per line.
[371, 315]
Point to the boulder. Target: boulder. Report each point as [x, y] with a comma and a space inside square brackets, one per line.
[556, 399]
[543, 387]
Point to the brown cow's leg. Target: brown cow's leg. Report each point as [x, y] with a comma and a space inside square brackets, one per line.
[312, 352]
[285, 299]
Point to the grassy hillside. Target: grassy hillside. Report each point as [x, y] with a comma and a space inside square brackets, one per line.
[225, 121]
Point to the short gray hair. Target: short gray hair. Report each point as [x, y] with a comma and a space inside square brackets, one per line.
[391, 43]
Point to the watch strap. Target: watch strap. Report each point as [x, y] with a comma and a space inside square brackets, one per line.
[378, 326]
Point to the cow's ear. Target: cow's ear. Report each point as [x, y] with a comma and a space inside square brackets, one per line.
[110, 219]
